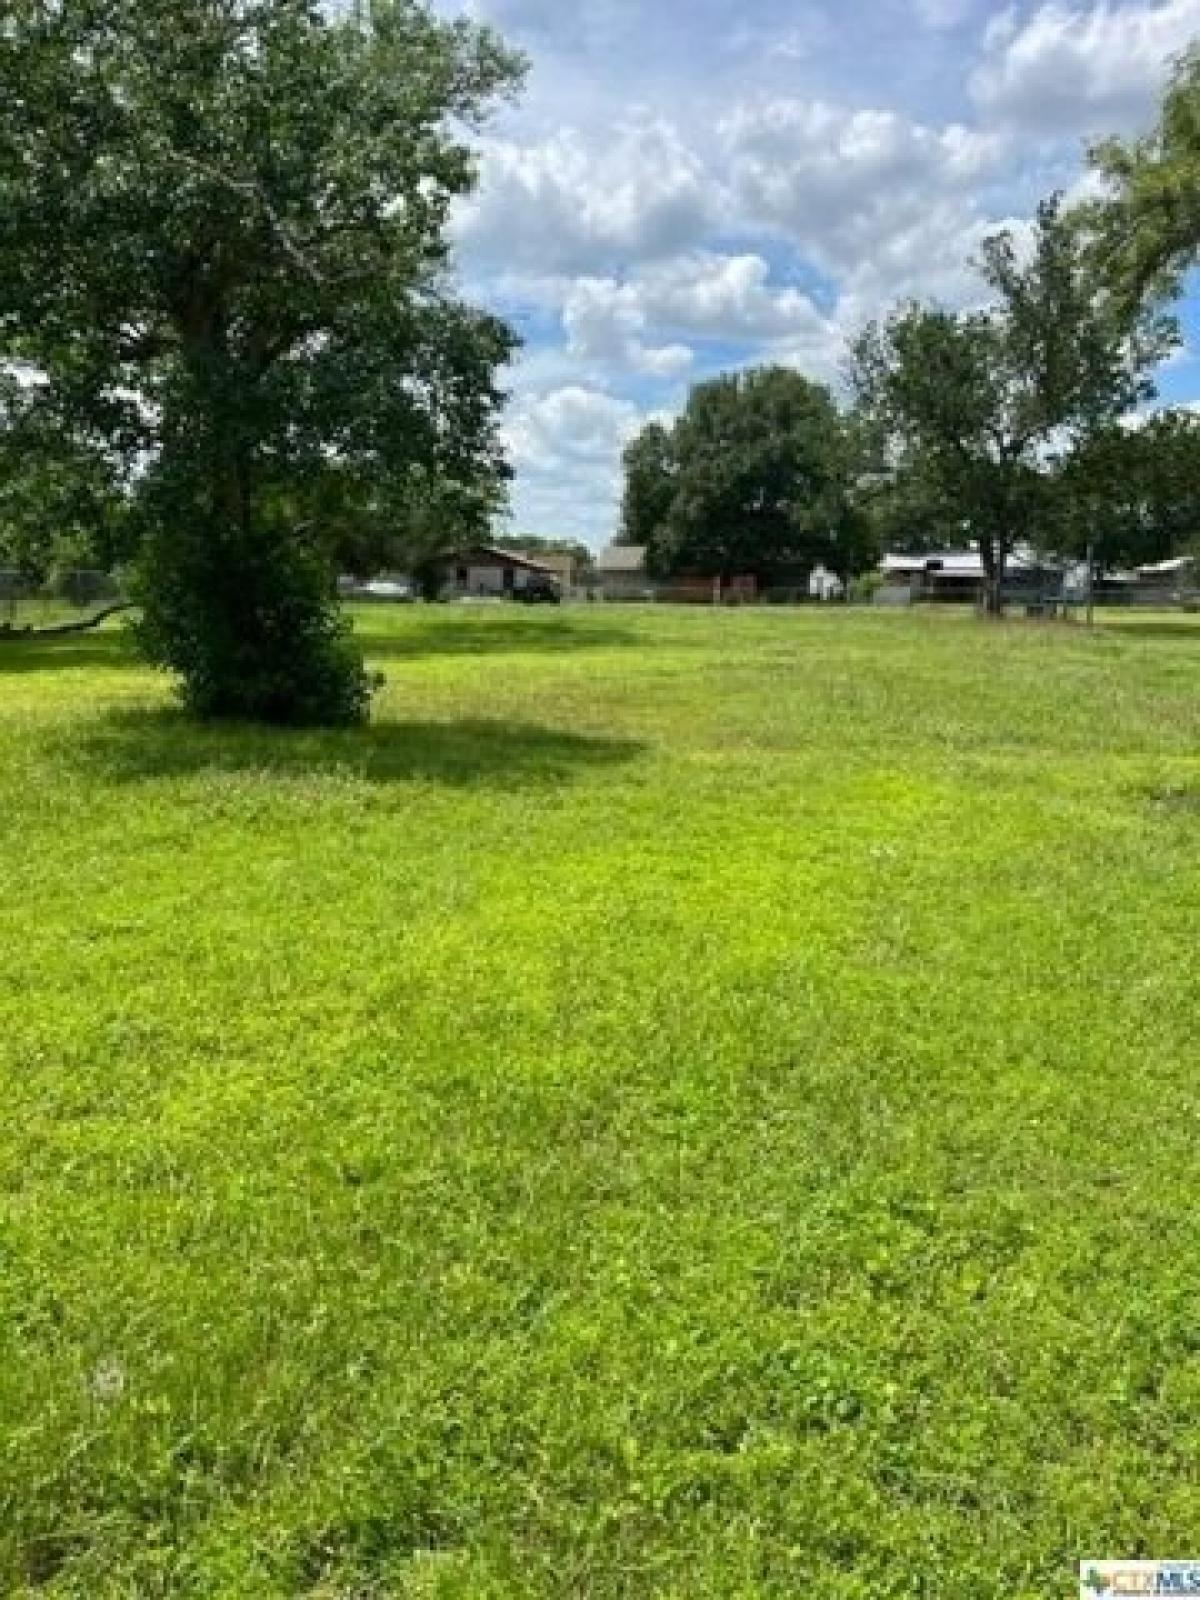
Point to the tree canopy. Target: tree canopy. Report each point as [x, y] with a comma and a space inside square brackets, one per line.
[1131, 495]
[60, 505]
[223, 251]
[753, 479]
[649, 485]
[973, 405]
[1148, 227]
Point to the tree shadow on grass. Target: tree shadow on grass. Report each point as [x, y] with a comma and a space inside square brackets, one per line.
[546, 633]
[418, 634]
[131, 746]
[1185, 631]
[109, 650]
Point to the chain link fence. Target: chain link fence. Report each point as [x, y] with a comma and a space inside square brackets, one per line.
[696, 592]
[64, 599]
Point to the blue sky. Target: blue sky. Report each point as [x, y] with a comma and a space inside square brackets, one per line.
[693, 185]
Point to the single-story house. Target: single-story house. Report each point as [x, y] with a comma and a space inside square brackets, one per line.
[560, 564]
[1114, 586]
[485, 572]
[958, 576]
[621, 573]
[1179, 573]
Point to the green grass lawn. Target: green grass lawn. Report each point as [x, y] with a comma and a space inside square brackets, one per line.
[688, 1104]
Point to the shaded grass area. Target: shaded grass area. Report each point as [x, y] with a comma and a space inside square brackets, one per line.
[105, 649]
[685, 1104]
[495, 631]
[146, 745]
[1179, 628]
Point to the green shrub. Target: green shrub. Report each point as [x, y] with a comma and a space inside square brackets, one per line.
[865, 587]
[252, 628]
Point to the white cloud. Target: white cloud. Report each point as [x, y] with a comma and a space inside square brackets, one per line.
[700, 296]
[609, 238]
[727, 297]
[713, 178]
[844, 183]
[801, 41]
[886, 206]
[565, 445]
[934, 263]
[1081, 70]
[585, 424]
[605, 321]
[1001, 29]
[566, 201]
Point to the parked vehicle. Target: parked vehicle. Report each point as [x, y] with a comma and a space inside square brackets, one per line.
[539, 592]
[393, 589]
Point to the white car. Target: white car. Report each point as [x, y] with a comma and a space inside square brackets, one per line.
[387, 589]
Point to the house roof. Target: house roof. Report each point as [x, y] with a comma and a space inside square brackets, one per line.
[1167, 569]
[622, 558]
[965, 564]
[484, 555]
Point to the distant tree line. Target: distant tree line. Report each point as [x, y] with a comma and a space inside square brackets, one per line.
[1023, 421]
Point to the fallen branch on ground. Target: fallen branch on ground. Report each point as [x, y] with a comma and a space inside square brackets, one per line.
[63, 629]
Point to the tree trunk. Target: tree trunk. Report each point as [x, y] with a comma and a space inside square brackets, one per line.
[995, 562]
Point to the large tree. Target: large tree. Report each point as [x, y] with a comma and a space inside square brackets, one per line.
[754, 479]
[1131, 495]
[975, 403]
[649, 485]
[1147, 229]
[222, 247]
[905, 513]
[61, 504]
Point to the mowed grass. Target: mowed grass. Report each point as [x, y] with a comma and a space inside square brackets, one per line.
[688, 1104]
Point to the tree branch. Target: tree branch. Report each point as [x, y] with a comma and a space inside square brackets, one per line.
[253, 190]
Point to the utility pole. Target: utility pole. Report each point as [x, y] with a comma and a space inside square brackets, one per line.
[1091, 584]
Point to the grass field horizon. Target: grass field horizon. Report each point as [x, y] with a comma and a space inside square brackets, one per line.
[686, 1104]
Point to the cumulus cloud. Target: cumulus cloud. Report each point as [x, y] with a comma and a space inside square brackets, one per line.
[713, 182]
[841, 182]
[937, 263]
[1078, 70]
[585, 424]
[887, 206]
[702, 296]
[605, 321]
[615, 232]
[561, 203]
[729, 297]
[565, 444]
[611, 240]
